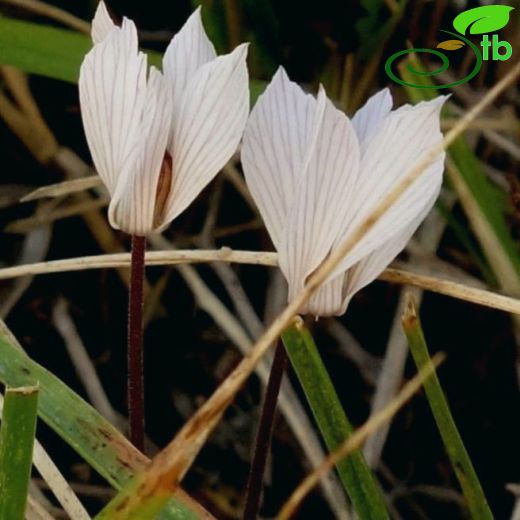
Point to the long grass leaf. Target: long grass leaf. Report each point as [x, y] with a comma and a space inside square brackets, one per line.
[451, 438]
[375, 422]
[49, 51]
[16, 448]
[334, 426]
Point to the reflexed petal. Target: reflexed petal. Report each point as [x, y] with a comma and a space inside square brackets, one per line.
[133, 203]
[323, 198]
[274, 148]
[189, 49]
[112, 122]
[209, 127]
[102, 24]
[369, 116]
[402, 141]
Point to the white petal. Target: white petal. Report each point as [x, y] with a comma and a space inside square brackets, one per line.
[323, 199]
[327, 300]
[370, 267]
[402, 141]
[133, 203]
[207, 131]
[189, 49]
[274, 148]
[102, 24]
[369, 116]
[112, 86]
[333, 297]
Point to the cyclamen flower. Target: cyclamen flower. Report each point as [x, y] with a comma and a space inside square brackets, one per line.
[316, 175]
[157, 139]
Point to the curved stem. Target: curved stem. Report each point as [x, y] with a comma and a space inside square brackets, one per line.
[264, 434]
[135, 344]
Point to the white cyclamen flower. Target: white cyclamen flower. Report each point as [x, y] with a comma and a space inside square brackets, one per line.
[157, 139]
[316, 175]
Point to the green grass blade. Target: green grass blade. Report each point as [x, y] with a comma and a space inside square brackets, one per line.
[354, 472]
[48, 51]
[40, 49]
[457, 453]
[16, 449]
[83, 428]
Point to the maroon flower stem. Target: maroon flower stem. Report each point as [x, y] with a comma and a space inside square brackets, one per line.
[135, 344]
[264, 434]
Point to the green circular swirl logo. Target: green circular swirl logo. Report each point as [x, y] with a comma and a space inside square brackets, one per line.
[480, 20]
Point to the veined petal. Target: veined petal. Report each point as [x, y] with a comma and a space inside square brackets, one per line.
[276, 141]
[370, 267]
[402, 141]
[189, 49]
[102, 23]
[209, 127]
[322, 200]
[328, 299]
[112, 87]
[369, 116]
[133, 204]
[333, 297]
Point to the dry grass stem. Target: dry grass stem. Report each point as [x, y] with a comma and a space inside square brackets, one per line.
[35, 510]
[61, 189]
[25, 225]
[81, 360]
[160, 258]
[23, 116]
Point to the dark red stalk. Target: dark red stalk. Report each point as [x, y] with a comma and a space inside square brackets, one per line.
[135, 344]
[264, 434]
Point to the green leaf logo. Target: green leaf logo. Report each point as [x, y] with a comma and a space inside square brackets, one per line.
[481, 20]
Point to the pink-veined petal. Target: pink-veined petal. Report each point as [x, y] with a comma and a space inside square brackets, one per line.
[402, 141]
[133, 204]
[209, 126]
[112, 87]
[102, 23]
[322, 200]
[369, 116]
[276, 141]
[189, 49]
